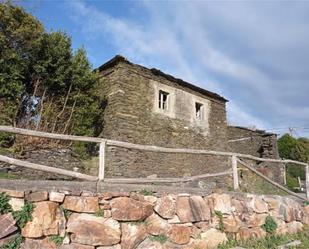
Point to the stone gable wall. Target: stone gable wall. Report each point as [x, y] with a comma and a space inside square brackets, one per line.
[129, 116]
[131, 220]
[259, 144]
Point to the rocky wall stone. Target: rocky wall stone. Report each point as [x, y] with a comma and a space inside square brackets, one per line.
[134, 221]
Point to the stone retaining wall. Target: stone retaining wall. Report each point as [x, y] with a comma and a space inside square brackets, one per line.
[123, 220]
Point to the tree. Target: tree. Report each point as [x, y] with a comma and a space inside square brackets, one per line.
[295, 149]
[286, 146]
[44, 85]
[19, 36]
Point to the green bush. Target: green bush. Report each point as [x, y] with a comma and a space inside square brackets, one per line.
[24, 215]
[99, 213]
[145, 192]
[291, 182]
[57, 239]
[5, 206]
[270, 226]
[219, 214]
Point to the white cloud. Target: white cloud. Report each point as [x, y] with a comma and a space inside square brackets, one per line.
[249, 52]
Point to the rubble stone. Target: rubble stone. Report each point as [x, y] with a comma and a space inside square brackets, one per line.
[88, 229]
[81, 204]
[127, 209]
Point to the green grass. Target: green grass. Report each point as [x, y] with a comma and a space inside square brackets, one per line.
[251, 183]
[99, 213]
[4, 175]
[145, 192]
[270, 242]
[57, 239]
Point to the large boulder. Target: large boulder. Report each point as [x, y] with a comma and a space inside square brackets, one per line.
[166, 207]
[222, 203]
[294, 227]
[250, 233]
[156, 225]
[210, 239]
[256, 220]
[13, 193]
[149, 244]
[118, 246]
[56, 196]
[305, 219]
[38, 244]
[179, 234]
[192, 209]
[258, 205]
[47, 219]
[17, 203]
[132, 235]
[76, 246]
[81, 204]
[232, 224]
[7, 225]
[88, 229]
[128, 209]
[37, 196]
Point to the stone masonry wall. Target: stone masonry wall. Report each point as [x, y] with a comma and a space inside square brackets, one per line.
[123, 220]
[259, 144]
[129, 117]
[59, 158]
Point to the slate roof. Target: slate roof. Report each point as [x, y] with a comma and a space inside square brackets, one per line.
[118, 58]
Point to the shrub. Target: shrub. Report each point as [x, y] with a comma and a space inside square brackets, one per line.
[99, 213]
[145, 192]
[24, 215]
[58, 240]
[220, 216]
[5, 206]
[270, 225]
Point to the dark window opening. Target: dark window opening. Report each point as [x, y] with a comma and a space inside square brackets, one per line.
[199, 111]
[163, 100]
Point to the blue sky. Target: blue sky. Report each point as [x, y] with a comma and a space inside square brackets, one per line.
[254, 53]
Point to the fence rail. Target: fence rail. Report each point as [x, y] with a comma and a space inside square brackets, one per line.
[103, 143]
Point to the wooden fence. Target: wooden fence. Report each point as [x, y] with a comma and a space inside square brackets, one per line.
[236, 158]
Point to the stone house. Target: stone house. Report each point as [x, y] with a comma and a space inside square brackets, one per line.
[147, 106]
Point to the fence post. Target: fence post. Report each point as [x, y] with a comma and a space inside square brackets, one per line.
[307, 181]
[235, 173]
[284, 174]
[102, 160]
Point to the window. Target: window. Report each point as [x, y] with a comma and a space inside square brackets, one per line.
[163, 100]
[198, 111]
